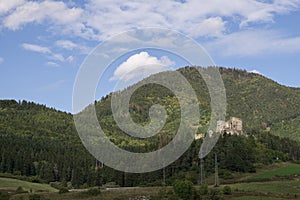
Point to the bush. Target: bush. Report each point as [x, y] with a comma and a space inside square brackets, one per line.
[57, 185]
[225, 174]
[91, 192]
[203, 190]
[4, 196]
[215, 194]
[183, 189]
[36, 197]
[227, 190]
[63, 190]
[20, 190]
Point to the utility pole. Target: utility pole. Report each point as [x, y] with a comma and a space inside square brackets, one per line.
[164, 176]
[201, 171]
[160, 145]
[216, 171]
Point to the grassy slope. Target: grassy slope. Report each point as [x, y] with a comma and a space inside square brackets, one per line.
[274, 187]
[8, 184]
[286, 188]
[292, 169]
[256, 198]
[121, 194]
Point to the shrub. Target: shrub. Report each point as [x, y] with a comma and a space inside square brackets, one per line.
[183, 189]
[227, 190]
[20, 190]
[215, 194]
[57, 185]
[91, 192]
[63, 190]
[203, 190]
[36, 197]
[4, 196]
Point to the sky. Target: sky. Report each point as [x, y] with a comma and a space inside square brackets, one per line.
[44, 43]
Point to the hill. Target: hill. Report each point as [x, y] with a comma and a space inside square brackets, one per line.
[258, 101]
[42, 143]
[261, 103]
[8, 184]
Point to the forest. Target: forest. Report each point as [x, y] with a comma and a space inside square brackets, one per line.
[40, 144]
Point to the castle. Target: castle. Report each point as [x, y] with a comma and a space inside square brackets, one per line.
[234, 126]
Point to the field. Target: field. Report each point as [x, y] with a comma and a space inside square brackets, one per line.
[289, 170]
[256, 198]
[8, 184]
[273, 187]
[120, 194]
[264, 185]
[278, 182]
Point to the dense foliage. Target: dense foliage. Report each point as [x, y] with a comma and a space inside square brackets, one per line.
[42, 143]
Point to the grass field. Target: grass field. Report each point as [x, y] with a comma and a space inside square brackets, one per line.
[274, 187]
[256, 198]
[8, 184]
[120, 194]
[291, 169]
[276, 190]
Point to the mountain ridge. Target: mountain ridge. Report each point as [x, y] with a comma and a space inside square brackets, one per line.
[259, 101]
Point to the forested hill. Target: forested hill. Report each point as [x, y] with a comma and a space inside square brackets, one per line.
[261, 103]
[29, 118]
[42, 143]
[258, 101]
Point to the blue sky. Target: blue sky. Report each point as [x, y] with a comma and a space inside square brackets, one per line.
[43, 43]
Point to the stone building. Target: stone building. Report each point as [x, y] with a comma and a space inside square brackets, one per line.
[234, 126]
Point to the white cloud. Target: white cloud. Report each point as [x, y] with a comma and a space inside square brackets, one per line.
[195, 17]
[255, 71]
[66, 44]
[70, 58]
[57, 56]
[72, 46]
[100, 19]
[253, 43]
[141, 65]
[52, 64]
[32, 11]
[1, 60]
[44, 50]
[213, 26]
[36, 48]
[7, 5]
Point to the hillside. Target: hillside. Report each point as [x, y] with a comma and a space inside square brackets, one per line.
[42, 143]
[258, 101]
[261, 103]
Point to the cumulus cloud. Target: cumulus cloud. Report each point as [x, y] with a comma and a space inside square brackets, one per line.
[100, 19]
[141, 65]
[56, 12]
[195, 17]
[8, 5]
